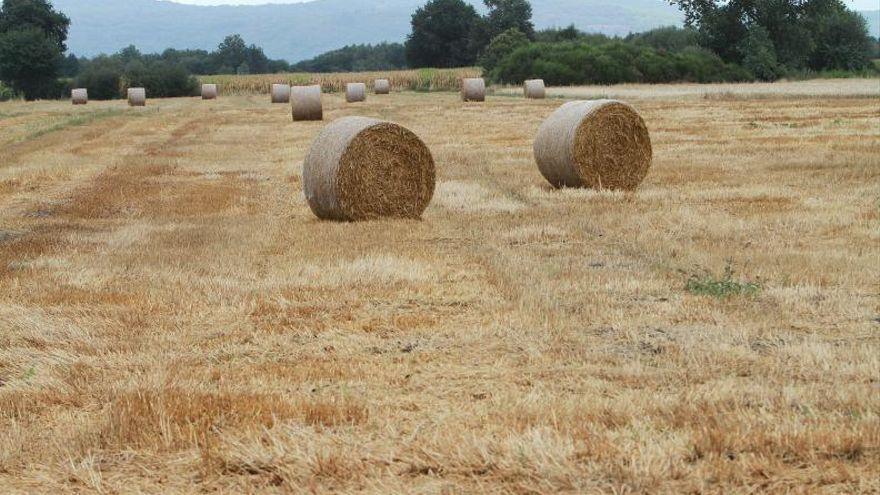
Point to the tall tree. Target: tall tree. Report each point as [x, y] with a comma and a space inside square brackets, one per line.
[440, 37]
[32, 37]
[801, 33]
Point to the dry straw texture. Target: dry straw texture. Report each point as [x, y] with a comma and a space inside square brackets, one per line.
[601, 144]
[209, 91]
[534, 89]
[382, 86]
[360, 168]
[473, 89]
[306, 103]
[280, 93]
[79, 96]
[355, 92]
[137, 97]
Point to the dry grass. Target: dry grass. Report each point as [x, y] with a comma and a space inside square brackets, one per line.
[174, 319]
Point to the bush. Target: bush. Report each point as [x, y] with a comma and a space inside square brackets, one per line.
[101, 76]
[668, 39]
[501, 46]
[6, 93]
[612, 63]
[107, 78]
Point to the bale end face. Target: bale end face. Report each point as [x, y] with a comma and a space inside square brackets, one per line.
[360, 169]
[306, 103]
[355, 92]
[473, 89]
[382, 86]
[534, 89]
[79, 96]
[137, 97]
[209, 91]
[599, 144]
[280, 93]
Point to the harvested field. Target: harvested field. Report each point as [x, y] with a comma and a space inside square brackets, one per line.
[174, 319]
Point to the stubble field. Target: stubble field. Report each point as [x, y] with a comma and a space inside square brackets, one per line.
[174, 319]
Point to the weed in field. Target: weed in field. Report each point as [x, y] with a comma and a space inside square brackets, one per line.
[707, 284]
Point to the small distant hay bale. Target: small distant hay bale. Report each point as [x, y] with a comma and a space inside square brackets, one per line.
[382, 86]
[600, 144]
[360, 168]
[137, 97]
[534, 89]
[306, 103]
[79, 96]
[473, 89]
[209, 91]
[355, 92]
[280, 93]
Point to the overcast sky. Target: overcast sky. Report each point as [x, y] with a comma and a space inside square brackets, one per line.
[854, 4]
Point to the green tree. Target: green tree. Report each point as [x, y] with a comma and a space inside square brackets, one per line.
[502, 45]
[32, 37]
[509, 14]
[759, 55]
[801, 31]
[440, 36]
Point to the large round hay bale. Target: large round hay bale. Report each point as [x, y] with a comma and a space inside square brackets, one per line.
[79, 96]
[355, 92]
[360, 168]
[280, 93]
[473, 89]
[137, 97]
[601, 144]
[534, 89]
[209, 91]
[382, 86]
[306, 103]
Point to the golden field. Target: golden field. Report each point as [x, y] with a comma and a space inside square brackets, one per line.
[173, 319]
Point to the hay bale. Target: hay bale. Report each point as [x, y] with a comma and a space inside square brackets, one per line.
[137, 97]
[601, 144]
[473, 89]
[280, 93]
[355, 92]
[307, 103]
[79, 96]
[360, 168]
[534, 89]
[382, 86]
[209, 91]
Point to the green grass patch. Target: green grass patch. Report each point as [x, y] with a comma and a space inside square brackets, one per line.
[707, 284]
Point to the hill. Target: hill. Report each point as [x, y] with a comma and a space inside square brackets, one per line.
[298, 31]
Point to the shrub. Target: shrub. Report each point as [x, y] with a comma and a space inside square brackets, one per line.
[501, 46]
[611, 63]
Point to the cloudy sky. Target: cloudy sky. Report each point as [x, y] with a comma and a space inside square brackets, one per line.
[855, 4]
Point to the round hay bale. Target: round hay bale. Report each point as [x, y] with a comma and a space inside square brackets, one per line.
[280, 93]
[473, 89]
[355, 92]
[601, 144]
[137, 97]
[209, 91]
[306, 103]
[79, 96]
[381, 86]
[360, 168]
[534, 89]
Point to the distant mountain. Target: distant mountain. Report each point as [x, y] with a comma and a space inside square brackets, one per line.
[298, 31]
